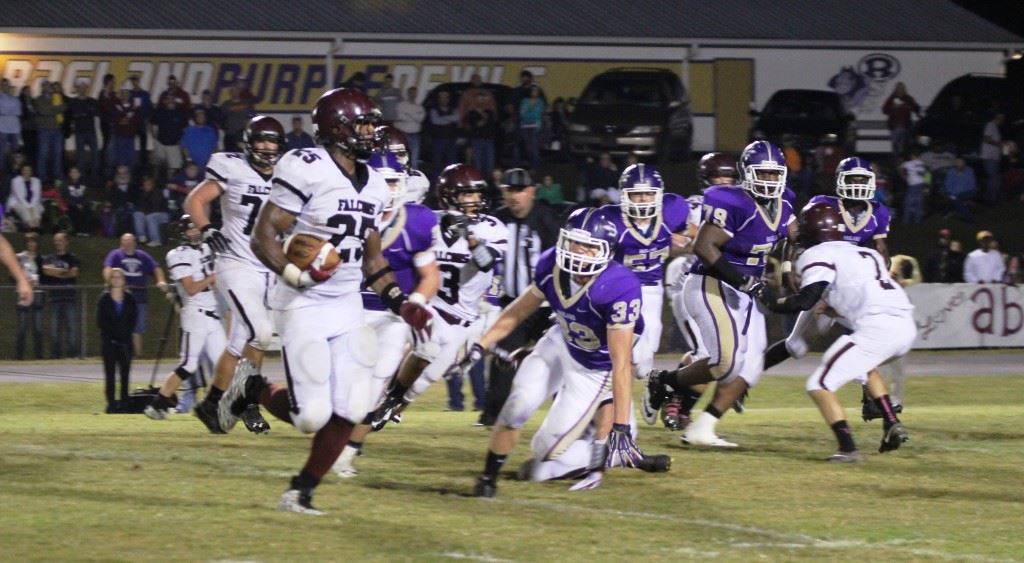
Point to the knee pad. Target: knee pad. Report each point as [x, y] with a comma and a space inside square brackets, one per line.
[363, 346]
[313, 415]
[264, 330]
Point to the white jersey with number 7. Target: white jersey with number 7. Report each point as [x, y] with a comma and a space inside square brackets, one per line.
[859, 283]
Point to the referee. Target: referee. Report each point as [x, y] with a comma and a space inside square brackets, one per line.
[532, 228]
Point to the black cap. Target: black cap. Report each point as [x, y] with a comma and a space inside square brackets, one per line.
[516, 178]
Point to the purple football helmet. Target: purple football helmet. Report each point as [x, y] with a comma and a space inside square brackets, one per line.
[641, 179]
[760, 161]
[855, 179]
[389, 166]
[587, 242]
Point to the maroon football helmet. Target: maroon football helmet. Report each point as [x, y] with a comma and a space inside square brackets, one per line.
[263, 128]
[337, 116]
[714, 165]
[819, 223]
[458, 179]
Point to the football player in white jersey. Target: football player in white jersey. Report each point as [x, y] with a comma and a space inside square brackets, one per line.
[854, 283]
[242, 182]
[472, 243]
[202, 336]
[328, 349]
[416, 182]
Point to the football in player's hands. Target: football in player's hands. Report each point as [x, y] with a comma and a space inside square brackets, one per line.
[418, 317]
[310, 254]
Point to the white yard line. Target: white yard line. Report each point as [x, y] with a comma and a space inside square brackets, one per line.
[472, 557]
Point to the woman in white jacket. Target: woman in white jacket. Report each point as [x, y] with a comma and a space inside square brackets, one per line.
[26, 199]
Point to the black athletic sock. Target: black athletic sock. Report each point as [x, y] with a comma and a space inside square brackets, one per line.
[776, 354]
[710, 409]
[304, 482]
[397, 390]
[688, 399]
[214, 395]
[493, 465]
[844, 436]
[884, 405]
[357, 445]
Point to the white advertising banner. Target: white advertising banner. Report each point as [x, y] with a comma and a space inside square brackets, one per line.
[966, 315]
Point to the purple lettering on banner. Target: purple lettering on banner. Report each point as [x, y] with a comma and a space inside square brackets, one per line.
[227, 74]
[984, 312]
[287, 75]
[932, 322]
[1009, 306]
[372, 83]
[263, 80]
[316, 79]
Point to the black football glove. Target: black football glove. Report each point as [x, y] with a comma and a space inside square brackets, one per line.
[216, 239]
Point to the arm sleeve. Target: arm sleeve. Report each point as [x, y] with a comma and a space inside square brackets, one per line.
[802, 301]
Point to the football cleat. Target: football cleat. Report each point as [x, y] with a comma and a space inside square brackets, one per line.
[384, 413]
[893, 438]
[846, 457]
[155, 412]
[591, 481]
[294, 500]
[739, 406]
[206, 412]
[705, 439]
[654, 395]
[658, 463]
[670, 413]
[254, 421]
[485, 487]
[234, 402]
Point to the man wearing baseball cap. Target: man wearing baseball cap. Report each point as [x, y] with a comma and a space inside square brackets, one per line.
[985, 264]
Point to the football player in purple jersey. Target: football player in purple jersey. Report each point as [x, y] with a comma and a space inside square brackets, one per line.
[652, 226]
[585, 360]
[740, 226]
[409, 233]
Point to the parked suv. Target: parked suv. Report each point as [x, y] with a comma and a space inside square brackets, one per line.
[641, 111]
[811, 117]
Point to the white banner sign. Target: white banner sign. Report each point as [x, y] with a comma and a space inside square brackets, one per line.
[966, 315]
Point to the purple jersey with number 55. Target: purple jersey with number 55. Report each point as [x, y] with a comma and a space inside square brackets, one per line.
[861, 229]
[752, 232]
[610, 299]
[644, 251]
[411, 231]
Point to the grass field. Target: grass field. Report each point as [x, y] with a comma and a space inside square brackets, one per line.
[78, 485]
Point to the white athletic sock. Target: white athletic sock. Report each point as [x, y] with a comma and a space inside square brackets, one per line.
[705, 423]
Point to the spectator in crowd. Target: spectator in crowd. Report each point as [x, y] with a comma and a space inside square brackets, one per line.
[525, 88]
[125, 123]
[30, 317]
[237, 112]
[168, 124]
[905, 270]
[444, 122]
[137, 267]
[108, 100]
[50, 106]
[182, 184]
[913, 173]
[799, 176]
[558, 120]
[900, 107]
[10, 120]
[387, 99]
[409, 120]
[549, 191]
[26, 199]
[12, 168]
[602, 174]
[985, 263]
[883, 187]
[182, 99]
[150, 213]
[120, 202]
[532, 227]
[298, 138]
[509, 150]
[481, 124]
[1013, 174]
[214, 115]
[199, 141]
[939, 160]
[116, 315]
[76, 194]
[357, 81]
[531, 116]
[959, 188]
[29, 134]
[945, 263]
[60, 270]
[990, 152]
[144, 104]
[82, 114]
[471, 98]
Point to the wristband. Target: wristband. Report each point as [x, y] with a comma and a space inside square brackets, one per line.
[393, 297]
[291, 274]
[787, 267]
[417, 298]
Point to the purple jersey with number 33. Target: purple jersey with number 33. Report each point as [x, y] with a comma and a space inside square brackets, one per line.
[871, 224]
[645, 251]
[610, 299]
[411, 232]
[752, 232]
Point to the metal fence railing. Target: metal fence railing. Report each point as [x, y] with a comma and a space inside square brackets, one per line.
[42, 321]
